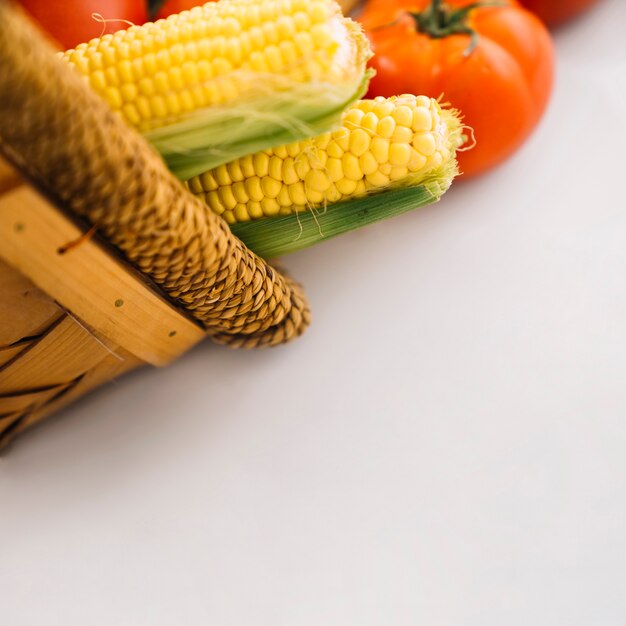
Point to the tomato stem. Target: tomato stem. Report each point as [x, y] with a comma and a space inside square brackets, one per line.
[440, 20]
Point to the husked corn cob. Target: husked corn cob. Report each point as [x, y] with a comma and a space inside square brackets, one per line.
[381, 143]
[222, 53]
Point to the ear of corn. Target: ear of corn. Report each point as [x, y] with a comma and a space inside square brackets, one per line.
[388, 156]
[380, 144]
[231, 77]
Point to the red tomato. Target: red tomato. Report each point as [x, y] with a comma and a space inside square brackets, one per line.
[70, 23]
[553, 12]
[176, 6]
[500, 79]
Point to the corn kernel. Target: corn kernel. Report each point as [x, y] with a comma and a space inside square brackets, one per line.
[241, 213]
[403, 116]
[345, 186]
[317, 158]
[368, 163]
[111, 76]
[315, 198]
[280, 152]
[398, 173]
[143, 106]
[96, 61]
[352, 119]
[380, 149]
[214, 201]
[285, 27]
[361, 188]
[304, 43]
[369, 122]
[227, 197]
[422, 119]
[131, 114]
[321, 35]
[351, 167]
[332, 194]
[399, 154]
[283, 198]
[385, 127]
[128, 93]
[318, 11]
[334, 150]
[297, 194]
[417, 161]
[288, 172]
[257, 39]
[316, 180]
[294, 149]
[253, 187]
[377, 179]
[425, 143]
[270, 187]
[98, 80]
[342, 137]
[113, 97]
[436, 160]
[255, 210]
[261, 164]
[239, 191]
[302, 166]
[247, 165]
[274, 59]
[402, 134]
[382, 107]
[301, 21]
[359, 142]
[275, 167]
[270, 207]
[195, 185]
[234, 171]
[222, 176]
[334, 169]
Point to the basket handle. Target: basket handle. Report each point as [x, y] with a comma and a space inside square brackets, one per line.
[62, 136]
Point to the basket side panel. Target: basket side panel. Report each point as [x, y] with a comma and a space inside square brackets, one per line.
[47, 357]
[25, 311]
[106, 370]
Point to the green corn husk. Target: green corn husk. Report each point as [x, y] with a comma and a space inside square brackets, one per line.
[277, 236]
[286, 116]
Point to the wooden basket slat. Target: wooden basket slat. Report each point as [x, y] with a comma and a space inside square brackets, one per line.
[89, 281]
[64, 353]
[20, 402]
[11, 352]
[25, 311]
[49, 356]
[107, 369]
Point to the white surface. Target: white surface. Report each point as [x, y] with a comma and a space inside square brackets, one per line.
[446, 446]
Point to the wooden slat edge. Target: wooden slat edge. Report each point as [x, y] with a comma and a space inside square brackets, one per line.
[88, 281]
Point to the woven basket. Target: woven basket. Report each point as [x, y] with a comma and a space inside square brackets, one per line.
[106, 261]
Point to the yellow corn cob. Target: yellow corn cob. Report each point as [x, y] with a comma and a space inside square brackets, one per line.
[222, 53]
[381, 143]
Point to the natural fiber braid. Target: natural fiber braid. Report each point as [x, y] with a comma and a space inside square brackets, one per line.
[69, 142]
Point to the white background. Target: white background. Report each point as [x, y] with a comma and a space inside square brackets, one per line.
[446, 446]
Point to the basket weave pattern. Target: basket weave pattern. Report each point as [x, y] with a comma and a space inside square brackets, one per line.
[47, 358]
[172, 259]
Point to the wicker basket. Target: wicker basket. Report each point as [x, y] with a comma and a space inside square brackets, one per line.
[106, 262]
